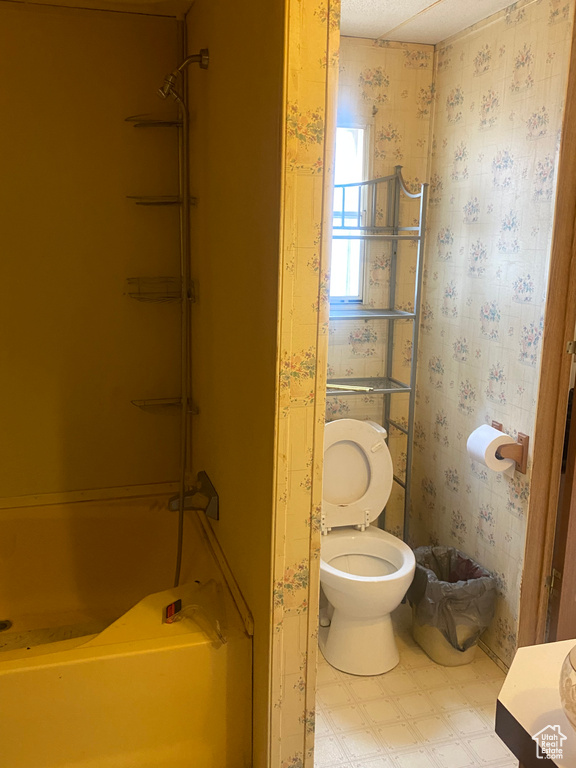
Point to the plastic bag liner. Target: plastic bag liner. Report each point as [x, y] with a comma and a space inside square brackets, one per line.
[450, 589]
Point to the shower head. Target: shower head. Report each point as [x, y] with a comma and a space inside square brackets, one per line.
[168, 87]
[202, 58]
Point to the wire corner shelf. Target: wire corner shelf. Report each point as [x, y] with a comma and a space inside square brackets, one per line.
[155, 289]
[154, 121]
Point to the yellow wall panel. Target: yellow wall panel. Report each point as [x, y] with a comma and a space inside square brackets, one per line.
[236, 111]
[75, 350]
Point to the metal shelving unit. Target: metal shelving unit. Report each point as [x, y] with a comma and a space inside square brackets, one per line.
[370, 211]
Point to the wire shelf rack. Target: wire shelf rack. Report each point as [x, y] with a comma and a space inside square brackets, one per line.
[154, 121]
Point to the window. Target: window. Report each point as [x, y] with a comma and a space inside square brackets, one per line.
[347, 262]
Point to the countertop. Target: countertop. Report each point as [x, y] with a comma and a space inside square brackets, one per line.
[529, 704]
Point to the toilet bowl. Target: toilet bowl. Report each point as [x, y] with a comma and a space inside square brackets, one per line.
[364, 571]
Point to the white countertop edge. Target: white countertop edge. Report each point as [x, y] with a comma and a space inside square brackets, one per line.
[531, 693]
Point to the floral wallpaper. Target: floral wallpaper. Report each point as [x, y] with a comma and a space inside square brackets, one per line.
[496, 94]
[387, 88]
[312, 36]
[499, 93]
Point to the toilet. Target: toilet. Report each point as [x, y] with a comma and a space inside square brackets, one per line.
[364, 571]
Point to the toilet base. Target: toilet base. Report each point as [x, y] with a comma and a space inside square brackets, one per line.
[359, 646]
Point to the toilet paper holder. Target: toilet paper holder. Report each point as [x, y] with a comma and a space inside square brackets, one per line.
[517, 451]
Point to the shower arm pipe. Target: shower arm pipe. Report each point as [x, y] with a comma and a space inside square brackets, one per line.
[202, 58]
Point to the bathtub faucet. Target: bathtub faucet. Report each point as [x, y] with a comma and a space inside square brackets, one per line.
[202, 497]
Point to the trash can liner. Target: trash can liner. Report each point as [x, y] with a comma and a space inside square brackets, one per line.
[450, 589]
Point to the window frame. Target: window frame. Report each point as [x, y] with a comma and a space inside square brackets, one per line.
[366, 175]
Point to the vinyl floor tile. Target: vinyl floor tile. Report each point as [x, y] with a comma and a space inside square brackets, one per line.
[453, 755]
[397, 736]
[418, 758]
[418, 715]
[346, 718]
[466, 722]
[433, 728]
[362, 744]
[379, 762]
[447, 699]
[381, 711]
[328, 752]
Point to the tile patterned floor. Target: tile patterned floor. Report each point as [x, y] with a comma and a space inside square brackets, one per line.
[419, 715]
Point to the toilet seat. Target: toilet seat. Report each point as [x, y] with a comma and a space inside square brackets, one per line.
[373, 543]
[358, 473]
[362, 564]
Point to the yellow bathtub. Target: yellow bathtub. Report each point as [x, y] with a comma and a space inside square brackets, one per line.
[139, 693]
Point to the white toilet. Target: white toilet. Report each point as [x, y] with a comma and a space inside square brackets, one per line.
[364, 571]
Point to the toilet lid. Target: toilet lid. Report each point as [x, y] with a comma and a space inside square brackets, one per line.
[358, 473]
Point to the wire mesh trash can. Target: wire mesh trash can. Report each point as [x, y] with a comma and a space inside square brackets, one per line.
[452, 600]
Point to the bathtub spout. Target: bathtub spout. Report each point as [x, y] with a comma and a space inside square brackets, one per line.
[209, 624]
[202, 497]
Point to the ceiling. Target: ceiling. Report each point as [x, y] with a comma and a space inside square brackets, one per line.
[176, 8]
[414, 21]
[406, 21]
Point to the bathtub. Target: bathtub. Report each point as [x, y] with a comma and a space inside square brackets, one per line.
[91, 676]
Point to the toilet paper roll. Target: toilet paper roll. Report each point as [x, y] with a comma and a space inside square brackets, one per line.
[483, 444]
